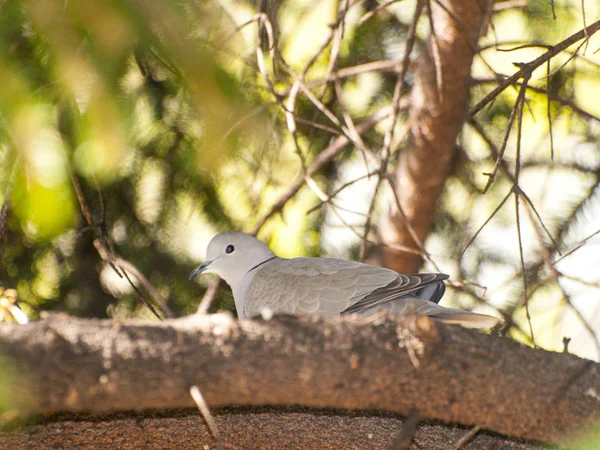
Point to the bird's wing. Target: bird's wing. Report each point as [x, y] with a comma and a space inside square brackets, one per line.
[326, 286]
[427, 286]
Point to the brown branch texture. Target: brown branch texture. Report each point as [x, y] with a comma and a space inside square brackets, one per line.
[357, 363]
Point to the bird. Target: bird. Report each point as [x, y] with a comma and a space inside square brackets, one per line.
[262, 281]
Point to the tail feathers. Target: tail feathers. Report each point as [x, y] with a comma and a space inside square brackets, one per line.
[467, 319]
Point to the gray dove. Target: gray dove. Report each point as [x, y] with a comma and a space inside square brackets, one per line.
[326, 286]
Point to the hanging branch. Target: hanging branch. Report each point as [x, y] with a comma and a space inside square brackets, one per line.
[115, 261]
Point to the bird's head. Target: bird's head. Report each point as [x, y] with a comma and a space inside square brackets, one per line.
[231, 255]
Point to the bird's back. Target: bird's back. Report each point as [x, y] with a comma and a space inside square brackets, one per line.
[331, 286]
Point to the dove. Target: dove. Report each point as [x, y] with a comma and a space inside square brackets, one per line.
[261, 281]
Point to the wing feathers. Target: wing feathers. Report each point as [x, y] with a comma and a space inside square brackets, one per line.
[402, 286]
[335, 286]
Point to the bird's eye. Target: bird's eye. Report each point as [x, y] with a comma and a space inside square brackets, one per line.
[229, 249]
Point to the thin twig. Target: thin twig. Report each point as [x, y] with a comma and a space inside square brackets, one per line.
[587, 38]
[208, 418]
[367, 226]
[321, 160]
[549, 111]
[341, 188]
[528, 68]
[492, 175]
[126, 266]
[539, 218]
[555, 274]
[510, 4]
[577, 246]
[516, 192]
[491, 216]
[354, 135]
[495, 152]
[467, 437]
[408, 431]
[112, 259]
[352, 71]
[209, 297]
[135, 288]
[374, 11]
[409, 227]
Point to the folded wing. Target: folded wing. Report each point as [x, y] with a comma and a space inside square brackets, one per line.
[332, 286]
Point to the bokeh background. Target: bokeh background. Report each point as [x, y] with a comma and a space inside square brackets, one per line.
[147, 127]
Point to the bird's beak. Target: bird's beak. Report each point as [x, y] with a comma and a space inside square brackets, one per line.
[201, 268]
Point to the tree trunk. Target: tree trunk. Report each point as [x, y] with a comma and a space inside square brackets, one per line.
[396, 364]
[435, 119]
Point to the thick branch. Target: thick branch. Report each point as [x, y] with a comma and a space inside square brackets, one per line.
[463, 376]
[248, 428]
[438, 103]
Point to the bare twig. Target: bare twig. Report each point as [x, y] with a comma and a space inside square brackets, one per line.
[126, 266]
[409, 226]
[491, 216]
[375, 10]
[516, 192]
[208, 418]
[549, 111]
[510, 4]
[209, 297]
[322, 158]
[347, 72]
[408, 431]
[495, 153]
[528, 68]
[135, 288]
[467, 437]
[555, 274]
[113, 260]
[578, 246]
[517, 107]
[341, 188]
[566, 342]
[353, 134]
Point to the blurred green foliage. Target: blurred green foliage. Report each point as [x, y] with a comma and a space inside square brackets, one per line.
[128, 97]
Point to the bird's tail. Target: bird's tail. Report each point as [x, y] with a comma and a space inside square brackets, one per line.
[467, 319]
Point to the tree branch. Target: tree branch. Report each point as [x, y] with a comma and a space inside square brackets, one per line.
[355, 362]
[528, 68]
[320, 160]
[248, 428]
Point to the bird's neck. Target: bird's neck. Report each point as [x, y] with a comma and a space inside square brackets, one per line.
[240, 287]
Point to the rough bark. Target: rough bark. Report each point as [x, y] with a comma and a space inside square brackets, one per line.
[247, 428]
[435, 119]
[463, 376]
